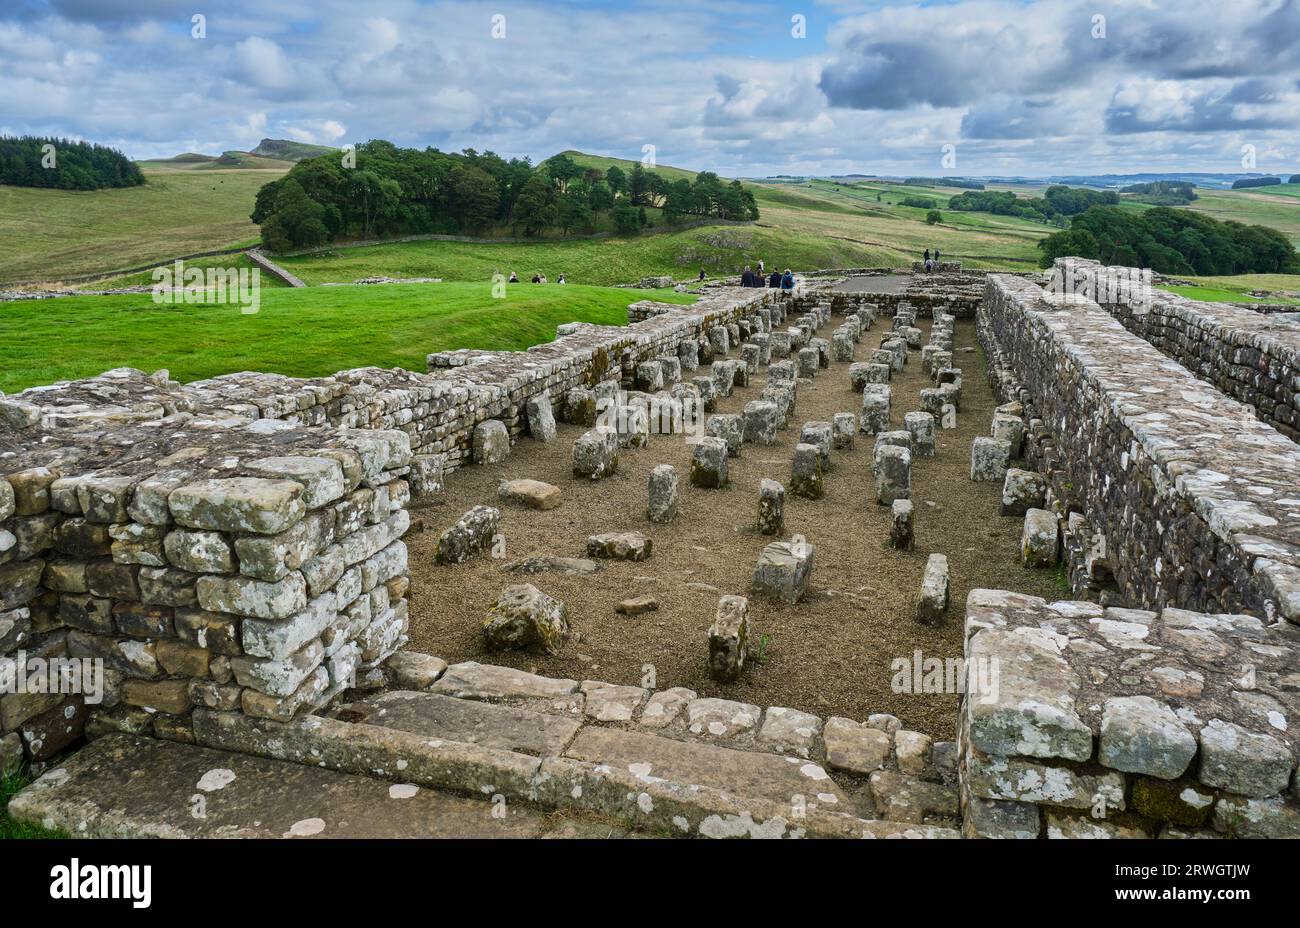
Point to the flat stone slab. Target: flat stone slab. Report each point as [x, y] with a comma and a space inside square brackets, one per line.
[490, 683]
[541, 563]
[495, 726]
[124, 786]
[737, 773]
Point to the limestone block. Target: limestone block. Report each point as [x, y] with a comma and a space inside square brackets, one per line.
[771, 507]
[709, 464]
[806, 472]
[901, 526]
[540, 417]
[933, 601]
[534, 494]
[662, 507]
[989, 459]
[1039, 541]
[821, 436]
[473, 534]
[729, 638]
[921, 427]
[595, 453]
[730, 428]
[623, 546]
[238, 504]
[893, 472]
[1022, 490]
[525, 617]
[844, 426]
[491, 442]
[874, 416]
[783, 571]
[760, 422]
[1142, 735]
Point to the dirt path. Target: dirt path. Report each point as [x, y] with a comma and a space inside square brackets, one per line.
[830, 655]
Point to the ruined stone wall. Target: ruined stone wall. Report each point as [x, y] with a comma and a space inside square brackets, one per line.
[205, 559]
[1190, 496]
[235, 543]
[1251, 356]
[1100, 722]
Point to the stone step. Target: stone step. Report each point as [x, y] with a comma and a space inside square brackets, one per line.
[129, 786]
[660, 785]
[738, 773]
[496, 726]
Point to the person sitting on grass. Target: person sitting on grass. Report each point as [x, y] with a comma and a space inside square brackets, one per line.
[514, 278]
[560, 280]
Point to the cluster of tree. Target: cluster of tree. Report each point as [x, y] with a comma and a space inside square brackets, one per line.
[918, 202]
[1172, 241]
[959, 182]
[1056, 204]
[406, 191]
[1163, 192]
[32, 161]
[1255, 182]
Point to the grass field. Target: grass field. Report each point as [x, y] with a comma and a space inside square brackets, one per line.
[304, 333]
[718, 249]
[49, 235]
[1237, 289]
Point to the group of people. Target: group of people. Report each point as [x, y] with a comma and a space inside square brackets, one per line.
[929, 264]
[777, 280]
[538, 278]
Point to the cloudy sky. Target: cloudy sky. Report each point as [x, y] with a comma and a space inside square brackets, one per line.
[828, 87]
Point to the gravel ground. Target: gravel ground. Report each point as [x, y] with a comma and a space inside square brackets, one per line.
[830, 655]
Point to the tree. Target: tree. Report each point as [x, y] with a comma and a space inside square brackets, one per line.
[474, 197]
[933, 217]
[616, 179]
[573, 209]
[600, 197]
[535, 207]
[627, 219]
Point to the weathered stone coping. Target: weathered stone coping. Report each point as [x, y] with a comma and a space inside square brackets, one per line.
[1152, 719]
[1185, 440]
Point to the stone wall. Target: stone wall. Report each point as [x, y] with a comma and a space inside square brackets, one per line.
[1100, 722]
[205, 559]
[235, 543]
[1251, 356]
[1188, 499]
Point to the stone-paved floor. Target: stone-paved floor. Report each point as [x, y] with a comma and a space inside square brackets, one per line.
[830, 655]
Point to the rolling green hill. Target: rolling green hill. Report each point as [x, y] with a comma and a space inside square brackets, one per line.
[53, 235]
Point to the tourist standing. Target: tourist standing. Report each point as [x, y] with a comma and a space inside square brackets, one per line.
[787, 280]
[775, 280]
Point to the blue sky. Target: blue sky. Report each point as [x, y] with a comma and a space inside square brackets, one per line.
[1014, 87]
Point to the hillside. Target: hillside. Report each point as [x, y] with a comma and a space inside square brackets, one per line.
[52, 235]
[287, 150]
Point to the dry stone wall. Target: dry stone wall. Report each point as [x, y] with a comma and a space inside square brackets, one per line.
[1251, 356]
[235, 543]
[1101, 722]
[1175, 493]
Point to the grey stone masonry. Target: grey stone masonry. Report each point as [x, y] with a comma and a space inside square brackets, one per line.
[1122, 722]
[244, 533]
[1186, 492]
[1251, 356]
